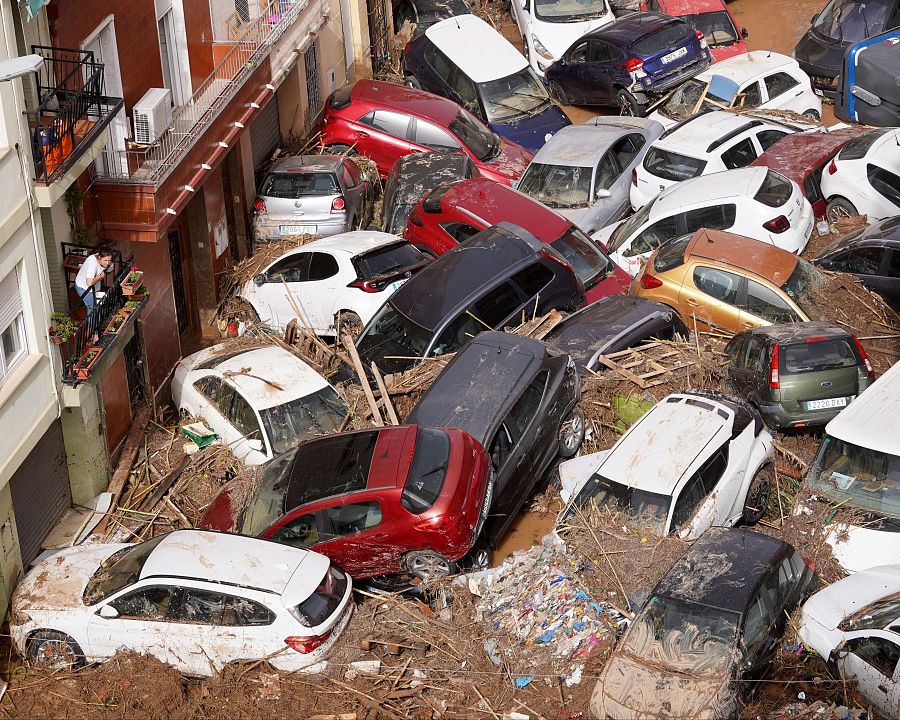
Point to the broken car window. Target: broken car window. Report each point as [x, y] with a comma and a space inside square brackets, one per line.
[876, 616]
[319, 606]
[200, 607]
[300, 532]
[151, 603]
[320, 413]
[427, 472]
[119, 570]
[648, 507]
[878, 652]
[557, 186]
[246, 612]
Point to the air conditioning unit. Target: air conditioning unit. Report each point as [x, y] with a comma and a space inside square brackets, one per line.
[152, 115]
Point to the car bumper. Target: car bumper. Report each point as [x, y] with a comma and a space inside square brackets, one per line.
[276, 228]
[654, 85]
[290, 660]
[777, 416]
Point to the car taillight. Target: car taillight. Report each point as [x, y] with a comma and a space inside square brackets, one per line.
[259, 206]
[369, 286]
[832, 167]
[634, 176]
[632, 64]
[338, 204]
[650, 282]
[773, 369]
[553, 257]
[809, 563]
[438, 524]
[415, 219]
[306, 644]
[778, 225]
[865, 357]
[700, 35]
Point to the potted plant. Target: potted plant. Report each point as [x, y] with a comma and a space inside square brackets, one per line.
[132, 282]
[62, 327]
[87, 361]
[118, 320]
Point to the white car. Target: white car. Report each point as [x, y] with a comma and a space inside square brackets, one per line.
[339, 280]
[694, 460]
[759, 79]
[706, 144]
[755, 202]
[854, 625]
[549, 27]
[261, 402]
[194, 599]
[864, 177]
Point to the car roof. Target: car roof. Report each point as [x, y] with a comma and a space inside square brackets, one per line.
[476, 48]
[628, 28]
[801, 331]
[581, 145]
[436, 167]
[479, 383]
[797, 155]
[695, 135]
[746, 66]
[689, 7]
[872, 420]
[712, 188]
[356, 242]
[235, 560]
[678, 429]
[892, 136]
[722, 568]
[882, 233]
[440, 288]
[755, 256]
[405, 99]
[307, 163]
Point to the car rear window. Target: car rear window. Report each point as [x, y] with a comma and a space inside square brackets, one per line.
[387, 260]
[427, 471]
[859, 146]
[814, 355]
[671, 254]
[298, 184]
[672, 166]
[775, 190]
[584, 256]
[666, 38]
[326, 598]
[340, 98]
[330, 466]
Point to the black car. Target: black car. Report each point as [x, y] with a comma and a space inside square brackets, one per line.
[873, 255]
[425, 13]
[517, 397]
[867, 91]
[841, 23]
[414, 175]
[500, 277]
[613, 323]
[708, 631]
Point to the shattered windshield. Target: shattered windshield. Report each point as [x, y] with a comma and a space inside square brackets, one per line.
[852, 20]
[569, 10]
[685, 637]
[681, 103]
[303, 418]
[118, 571]
[857, 476]
[801, 286]
[557, 186]
[877, 616]
[717, 28]
[392, 340]
[513, 96]
[647, 507]
[482, 143]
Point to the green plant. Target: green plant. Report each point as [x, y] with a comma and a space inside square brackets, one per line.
[82, 236]
[89, 356]
[62, 326]
[134, 276]
[74, 197]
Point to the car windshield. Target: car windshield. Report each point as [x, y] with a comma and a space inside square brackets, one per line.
[394, 339]
[513, 96]
[629, 227]
[858, 477]
[118, 571]
[646, 507]
[588, 260]
[389, 259]
[877, 616]
[852, 20]
[569, 10]
[717, 28]
[671, 165]
[482, 143]
[557, 186]
[685, 637]
[316, 414]
[682, 102]
[801, 286]
[427, 472]
[299, 184]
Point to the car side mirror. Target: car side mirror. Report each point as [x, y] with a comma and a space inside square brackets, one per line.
[260, 279]
[256, 445]
[602, 194]
[812, 20]
[109, 612]
[745, 33]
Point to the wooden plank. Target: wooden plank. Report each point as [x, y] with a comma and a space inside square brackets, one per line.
[385, 397]
[165, 484]
[627, 374]
[363, 380]
[628, 351]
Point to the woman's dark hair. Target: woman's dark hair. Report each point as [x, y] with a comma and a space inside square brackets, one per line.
[103, 251]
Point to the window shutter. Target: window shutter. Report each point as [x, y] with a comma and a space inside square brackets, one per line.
[10, 300]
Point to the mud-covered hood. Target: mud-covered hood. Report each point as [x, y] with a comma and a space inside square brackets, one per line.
[818, 56]
[629, 690]
[58, 582]
[532, 131]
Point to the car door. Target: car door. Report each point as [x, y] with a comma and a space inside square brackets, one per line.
[574, 75]
[889, 283]
[215, 397]
[759, 635]
[434, 74]
[361, 537]
[254, 621]
[697, 507]
[784, 92]
[761, 305]
[433, 137]
[632, 253]
[354, 192]
[872, 265]
[735, 370]
[711, 297]
[872, 661]
[599, 73]
[465, 93]
[277, 298]
[320, 291]
[386, 138]
[610, 181]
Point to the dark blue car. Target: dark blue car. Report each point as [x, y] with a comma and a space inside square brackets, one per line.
[629, 62]
[466, 60]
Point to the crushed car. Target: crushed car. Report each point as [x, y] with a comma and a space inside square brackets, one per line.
[867, 91]
[712, 18]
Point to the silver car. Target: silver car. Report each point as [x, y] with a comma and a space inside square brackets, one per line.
[584, 171]
[312, 194]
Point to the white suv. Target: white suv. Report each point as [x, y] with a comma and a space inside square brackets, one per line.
[755, 202]
[708, 143]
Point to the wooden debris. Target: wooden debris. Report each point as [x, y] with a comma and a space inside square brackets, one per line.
[644, 365]
[363, 380]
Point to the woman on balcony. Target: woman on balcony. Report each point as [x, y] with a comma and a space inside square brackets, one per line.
[91, 272]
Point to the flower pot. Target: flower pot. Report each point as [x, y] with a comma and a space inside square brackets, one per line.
[56, 339]
[132, 282]
[118, 321]
[87, 361]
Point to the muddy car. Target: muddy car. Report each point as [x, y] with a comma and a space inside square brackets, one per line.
[708, 631]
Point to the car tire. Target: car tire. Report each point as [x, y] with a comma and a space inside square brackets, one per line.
[53, 650]
[412, 82]
[812, 114]
[571, 434]
[426, 251]
[758, 494]
[478, 558]
[339, 149]
[628, 104]
[838, 208]
[346, 321]
[557, 94]
[428, 565]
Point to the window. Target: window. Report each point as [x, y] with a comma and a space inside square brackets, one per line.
[672, 166]
[767, 138]
[244, 419]
[894, 266]
[608, 170]
[427, 471]
[735, 350]
[767, 304]
[862, 261]
[710, 472]
[465, 88]
[13, 346]
[756, 625]
[881, 654]
[497, 305]
[459, 231]
[313, 82]
[440, 62]
[526, 407]
[391, 123]
[322, 266]
[150, 603]
[752, 96]
[600, 51]
[168, 42]
[245, 612]
[578, 53]
[885, 183]
[434, 137]
[200, 607]
[626, 148]
[534, 278]
[346, 177]
[717, 284]
[779, 83]
[739, 155]
[779, 585]
[715, 217]
[688, 502]
[775, 190]
[302, 532]
[352, 518]
[294, 268]
[355, 173]
[652, 237]
[220, 394]
[857, 147]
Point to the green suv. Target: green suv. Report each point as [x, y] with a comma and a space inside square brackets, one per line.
[798, 374]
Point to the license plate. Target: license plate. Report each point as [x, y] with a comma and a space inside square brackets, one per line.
[394, 285]
[680, 52]
[829, 403]
[298, 229]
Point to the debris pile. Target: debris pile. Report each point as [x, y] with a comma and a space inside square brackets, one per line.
[816, 711]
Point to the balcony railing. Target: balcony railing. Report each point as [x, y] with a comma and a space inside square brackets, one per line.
[73, 109]
[253, 39]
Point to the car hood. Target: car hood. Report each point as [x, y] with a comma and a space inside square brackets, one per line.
[532, 131]
[512, 160]
[820, 56]
[862, 548]
[630, 690]
[558, 37]
[842, 599]
[58, 582]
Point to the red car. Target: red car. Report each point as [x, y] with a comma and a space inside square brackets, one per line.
[802, 157]
[453, 212]
[403, 499]
[385, 121]
[710, 17]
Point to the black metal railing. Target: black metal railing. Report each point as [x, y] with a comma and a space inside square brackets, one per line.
[73, 109]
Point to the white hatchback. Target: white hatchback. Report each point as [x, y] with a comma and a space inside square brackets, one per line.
[706, 144]
[194, 599]
[711, 465]
[864, 177]
[338, 280]
[261, 402]
[755, 202]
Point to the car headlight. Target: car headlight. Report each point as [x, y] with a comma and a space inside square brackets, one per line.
[540, 49]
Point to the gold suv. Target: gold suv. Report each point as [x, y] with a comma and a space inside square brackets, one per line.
[722, 281]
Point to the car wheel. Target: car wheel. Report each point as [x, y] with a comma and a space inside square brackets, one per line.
[812, 114]
[571, 434]
[339, 150]
[839, 208]
[628, 104]
[428, 565]
[348, 322]
[758, 494]
[557, 94]
[399, 582]
[426, 251]
[53, 650]
[412, 82]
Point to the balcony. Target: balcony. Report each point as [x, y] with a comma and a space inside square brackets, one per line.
[73, 111]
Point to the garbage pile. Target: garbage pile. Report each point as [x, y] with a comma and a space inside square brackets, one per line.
[817, 711]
